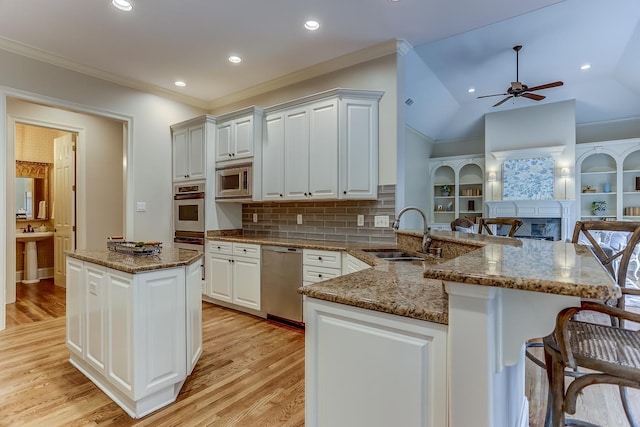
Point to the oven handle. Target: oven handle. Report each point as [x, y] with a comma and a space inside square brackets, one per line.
[190, 196]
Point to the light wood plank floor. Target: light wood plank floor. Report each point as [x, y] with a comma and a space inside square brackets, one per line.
[250, 374]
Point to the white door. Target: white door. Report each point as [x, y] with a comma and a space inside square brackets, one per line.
[296, 154]
[243, 136]
[273, 158]
[323, 150]
[64, 203]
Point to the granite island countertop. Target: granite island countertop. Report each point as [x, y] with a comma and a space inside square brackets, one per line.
[168, 258]
[416, 289]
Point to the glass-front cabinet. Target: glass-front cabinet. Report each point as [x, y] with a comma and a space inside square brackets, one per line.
[608, 180]
[457, 189]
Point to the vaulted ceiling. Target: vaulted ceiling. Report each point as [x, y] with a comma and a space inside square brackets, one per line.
[458, 44]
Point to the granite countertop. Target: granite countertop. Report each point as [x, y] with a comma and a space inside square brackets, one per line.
[168, 258]
[415, 289]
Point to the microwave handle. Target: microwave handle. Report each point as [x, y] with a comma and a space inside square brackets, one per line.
[245, 179]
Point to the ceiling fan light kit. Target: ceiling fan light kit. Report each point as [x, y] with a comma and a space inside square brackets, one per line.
[517, 88]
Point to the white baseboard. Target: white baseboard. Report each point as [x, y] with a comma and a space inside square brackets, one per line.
[43, 273]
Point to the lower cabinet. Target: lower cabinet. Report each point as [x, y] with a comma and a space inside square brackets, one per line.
[136, 336]
[351, 264]
[319, 265]
[233, 273]
[366, 368]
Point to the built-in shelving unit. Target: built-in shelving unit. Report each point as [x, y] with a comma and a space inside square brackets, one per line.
[464, 177]
[607, 171]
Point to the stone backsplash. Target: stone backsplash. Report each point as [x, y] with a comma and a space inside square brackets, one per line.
[323, 220]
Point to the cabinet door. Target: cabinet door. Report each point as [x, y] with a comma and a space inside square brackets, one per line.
[194, 315]
[246, 282]
[120, 331]
[180, 159]
[75, 306]
[296, 154]
[243, 137]
[358, 149]
[95, 305]
[273, 158]
[219, 277]
[224, 144]
[323, 150]
[197, 157]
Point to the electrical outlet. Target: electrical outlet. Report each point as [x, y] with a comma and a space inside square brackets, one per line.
[381, 221]
[299, 219]
[360, 220]
[255, 217]
[141, 206]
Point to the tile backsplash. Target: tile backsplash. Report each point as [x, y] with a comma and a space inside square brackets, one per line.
[323, 220]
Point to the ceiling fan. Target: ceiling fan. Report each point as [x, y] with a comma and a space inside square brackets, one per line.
[518, 89]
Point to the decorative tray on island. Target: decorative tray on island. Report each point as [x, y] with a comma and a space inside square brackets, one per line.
[134, 248]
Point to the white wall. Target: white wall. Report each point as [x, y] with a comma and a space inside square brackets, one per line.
[458, 147]
[417, 151]
[378, 74]
[149, 137]
[533, 127]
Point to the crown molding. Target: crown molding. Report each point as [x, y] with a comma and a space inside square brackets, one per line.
[44, 56]
[354, 58]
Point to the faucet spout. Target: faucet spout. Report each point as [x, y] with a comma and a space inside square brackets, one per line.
[426, 236]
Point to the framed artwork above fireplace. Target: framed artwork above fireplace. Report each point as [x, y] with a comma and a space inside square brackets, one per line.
[528, 179]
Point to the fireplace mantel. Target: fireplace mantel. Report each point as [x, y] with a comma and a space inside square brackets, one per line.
[562, 209]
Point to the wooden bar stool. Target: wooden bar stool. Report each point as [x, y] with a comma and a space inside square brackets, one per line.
[515, 223]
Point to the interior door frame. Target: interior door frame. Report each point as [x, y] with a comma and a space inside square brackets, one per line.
[7, 174]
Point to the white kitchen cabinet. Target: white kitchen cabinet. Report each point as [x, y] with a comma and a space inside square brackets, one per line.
[273, 158]
[136, 336]
[324, 146]
[237, 133]
[610, 168]
[189, 141]
[351, 264]
[319, 265]
[233, 274]
[344, 345]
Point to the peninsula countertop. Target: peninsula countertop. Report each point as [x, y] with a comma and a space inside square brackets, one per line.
[168, 258]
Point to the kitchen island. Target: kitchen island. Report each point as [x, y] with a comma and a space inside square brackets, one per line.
[134, 324]
[440, 342]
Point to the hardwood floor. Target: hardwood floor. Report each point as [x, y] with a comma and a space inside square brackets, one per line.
[251, 373]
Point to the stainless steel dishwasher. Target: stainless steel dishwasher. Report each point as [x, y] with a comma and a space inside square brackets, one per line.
[280, 277]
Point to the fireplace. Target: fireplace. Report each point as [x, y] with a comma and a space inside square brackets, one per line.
[543, 219]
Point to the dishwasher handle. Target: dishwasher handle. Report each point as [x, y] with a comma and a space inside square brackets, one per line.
[283, 249]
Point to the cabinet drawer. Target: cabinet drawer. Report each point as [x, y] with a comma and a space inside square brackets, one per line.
[315, 274]
[218, 247]
[246, 250]
[319, 258]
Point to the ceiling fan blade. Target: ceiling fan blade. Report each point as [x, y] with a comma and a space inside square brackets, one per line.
[497, 94]
[503, 101]
[533, 96]
[547, 86]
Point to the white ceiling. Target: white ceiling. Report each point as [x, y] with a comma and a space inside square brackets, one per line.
[462, 43]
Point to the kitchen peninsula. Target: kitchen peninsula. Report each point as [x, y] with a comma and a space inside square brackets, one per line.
[134, 324]
[440, 342]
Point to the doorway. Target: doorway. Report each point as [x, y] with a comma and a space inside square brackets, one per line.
[98, 178]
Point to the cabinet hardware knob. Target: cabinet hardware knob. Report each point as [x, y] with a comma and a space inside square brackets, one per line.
[244, 250]
[319, 275]
[281, 195]
[233, 154]
[229, 154]
[319, 258]
[344, 192]
[218, 247]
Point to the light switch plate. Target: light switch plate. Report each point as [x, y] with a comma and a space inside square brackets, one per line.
[255, 217]
[360, 220]
[141, 206]
[381, 221]
[299, 219]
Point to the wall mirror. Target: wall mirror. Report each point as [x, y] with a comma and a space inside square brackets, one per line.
[32, 190]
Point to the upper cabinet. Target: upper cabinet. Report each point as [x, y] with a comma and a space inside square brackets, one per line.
[457, 189]
[324, 146]
[237, 134]
[609, 172]
[189, 140]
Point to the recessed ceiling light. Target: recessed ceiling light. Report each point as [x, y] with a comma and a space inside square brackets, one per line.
[122, 5]
[235, 59]
[311, 25]
[180, 83]
[471, 90]
[585, 66]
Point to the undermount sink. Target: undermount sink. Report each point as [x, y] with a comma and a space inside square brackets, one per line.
[395, 256]
[34, 236]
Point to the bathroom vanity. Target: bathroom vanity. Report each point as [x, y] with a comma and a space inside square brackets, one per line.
[134, 324]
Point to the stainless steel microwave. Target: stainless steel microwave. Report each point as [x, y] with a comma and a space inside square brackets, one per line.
[234, 182]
